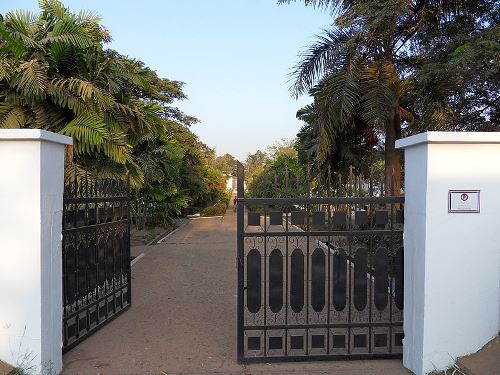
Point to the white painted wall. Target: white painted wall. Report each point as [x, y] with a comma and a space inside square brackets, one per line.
[452, 261]
[231, 183]
[31, 190]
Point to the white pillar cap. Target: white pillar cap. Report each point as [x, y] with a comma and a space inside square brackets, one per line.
[34, 135]
[449, 137]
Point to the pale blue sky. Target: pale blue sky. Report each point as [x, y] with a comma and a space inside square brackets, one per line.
[233, 55]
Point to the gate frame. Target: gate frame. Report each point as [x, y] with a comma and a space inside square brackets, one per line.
[98, 196]
[241, 234]
[240, 231]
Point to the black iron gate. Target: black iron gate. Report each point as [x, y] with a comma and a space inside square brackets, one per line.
[319, 277]
[96, 255]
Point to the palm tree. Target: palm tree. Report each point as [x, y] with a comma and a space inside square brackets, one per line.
[42, 85]
[56, 75]
[333, 148]
[359, 71]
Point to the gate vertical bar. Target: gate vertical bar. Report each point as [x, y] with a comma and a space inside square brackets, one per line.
[240, 228]
[127, 255]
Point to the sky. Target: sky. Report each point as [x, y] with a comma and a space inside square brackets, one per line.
[234, 56]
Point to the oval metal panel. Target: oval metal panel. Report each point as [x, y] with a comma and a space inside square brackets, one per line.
[297, 280]
[318, 280]
[253, 281]
[275, 281]
[381, 278]
[339, 281]
[399, 287]
[360, 279]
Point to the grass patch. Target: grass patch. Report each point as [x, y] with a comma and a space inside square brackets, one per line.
[148, 234]
[453, 370]
[18, 371]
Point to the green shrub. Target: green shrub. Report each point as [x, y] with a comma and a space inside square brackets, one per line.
[226, 197]
[216, 210]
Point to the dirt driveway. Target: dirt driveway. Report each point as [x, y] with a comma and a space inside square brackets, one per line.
[183, 315]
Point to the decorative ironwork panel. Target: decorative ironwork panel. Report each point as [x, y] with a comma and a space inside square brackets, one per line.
[319, 277]
[96, 255]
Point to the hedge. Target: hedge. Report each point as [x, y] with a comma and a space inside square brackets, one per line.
[217, 210]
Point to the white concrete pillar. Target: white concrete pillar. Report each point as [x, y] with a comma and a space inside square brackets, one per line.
[452, 254]
[31, 193]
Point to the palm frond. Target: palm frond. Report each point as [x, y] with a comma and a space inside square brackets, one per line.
[340, 92]
[47, 116]
[11, 43]
[67, 31]
[30, 78]
[326, 140]
[21, 21]
[124, 71]
[379, 96]
[21, 26]
[6, 69]
[64, 98]
[73, 171]
[87, 131]
[318, 60]
[11, 116]
[54, 8]
[84, 91]
[332, 5]
[58, 51]
[117, 149]
[86, 17]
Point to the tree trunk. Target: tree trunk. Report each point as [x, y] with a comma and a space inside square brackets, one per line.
[392, 155]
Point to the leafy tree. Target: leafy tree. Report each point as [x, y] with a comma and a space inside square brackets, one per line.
[254, 164]
[204, 183]
[457, 72]
[366, 72]
[282, 175]
[226, 163]
[282, 147]
[346, 147]
[56, 74]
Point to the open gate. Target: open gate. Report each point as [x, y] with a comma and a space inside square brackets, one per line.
[96, 255]
[319, 277]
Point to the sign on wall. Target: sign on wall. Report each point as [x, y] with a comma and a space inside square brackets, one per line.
[464, 201]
